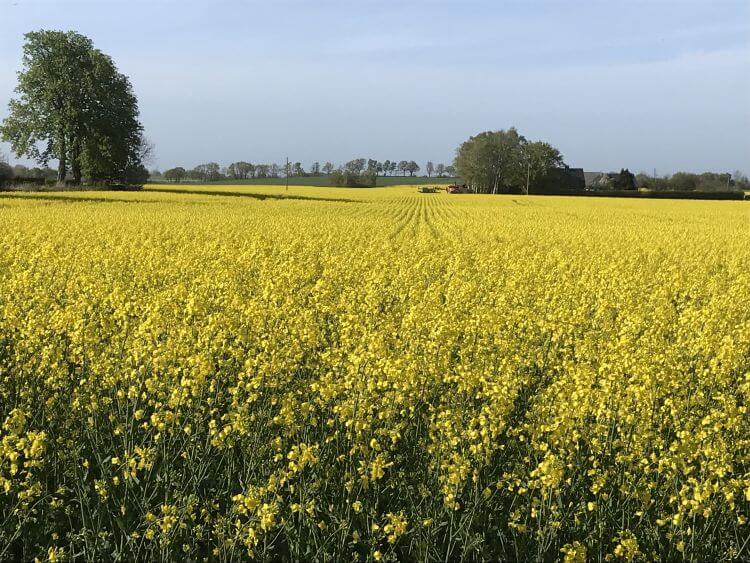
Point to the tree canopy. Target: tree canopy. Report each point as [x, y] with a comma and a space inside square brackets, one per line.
[175, 174]
[504, 161]
[73, 105]
[354, 174]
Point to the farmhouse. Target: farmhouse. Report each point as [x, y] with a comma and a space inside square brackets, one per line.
[591, 178]
[567, 178]
[623, 180]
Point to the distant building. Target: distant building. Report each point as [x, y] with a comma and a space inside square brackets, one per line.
[622, 180]
[591, 178]
[567, 178]
[576, 178]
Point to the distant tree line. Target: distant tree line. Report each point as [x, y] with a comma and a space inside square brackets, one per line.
[345, 173]
[6, 170]
[24, 174]
[691, 182]
[506, 162]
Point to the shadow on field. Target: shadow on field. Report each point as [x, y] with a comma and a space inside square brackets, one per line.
[73, 199]
[249, 195]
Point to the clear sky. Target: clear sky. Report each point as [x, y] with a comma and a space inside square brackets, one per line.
[639, 84]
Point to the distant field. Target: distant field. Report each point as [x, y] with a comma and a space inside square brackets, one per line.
[223, 372]
[326, 181]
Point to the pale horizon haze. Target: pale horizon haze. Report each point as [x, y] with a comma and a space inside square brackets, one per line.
[645, 85]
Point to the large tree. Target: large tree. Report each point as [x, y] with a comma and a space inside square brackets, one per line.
[73, 105]
[175, 174]
[491, 162]
[233, 172]
[209, 172]
[540, 158]
[247, 169]
[356, 166]
[504, 161]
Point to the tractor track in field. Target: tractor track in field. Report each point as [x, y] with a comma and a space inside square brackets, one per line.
[442, 217]
[400, 217]
[416, 218]
[422, 216]
[410, 220]
[429, 213]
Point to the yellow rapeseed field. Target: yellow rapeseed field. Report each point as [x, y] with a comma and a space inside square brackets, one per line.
[339, 374]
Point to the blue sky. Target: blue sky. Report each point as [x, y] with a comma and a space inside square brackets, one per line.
[639, 84]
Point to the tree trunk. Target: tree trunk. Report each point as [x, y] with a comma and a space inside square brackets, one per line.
[75, 162]
[62, 168]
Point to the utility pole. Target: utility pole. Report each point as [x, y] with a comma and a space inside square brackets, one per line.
[528, 175]
[287, 173]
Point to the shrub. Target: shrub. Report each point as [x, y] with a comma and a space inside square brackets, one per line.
[350, 179]
[6, 172]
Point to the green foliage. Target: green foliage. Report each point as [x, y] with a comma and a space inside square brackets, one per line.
[541, 158]
[75, 104]
[356, 166]
[349, 178]
[6, 172]
[656, 184]
[625, 180]
[504, 161]
[712, 182]
[23, 176]
[490, 161]
[175, 174]
[683, 182]
[48, 107]
[325, 180]
[135, 175]
[357, 173]
[209, 172]
[412, 167]
[240, 170]
[690, 182]
[741, 181]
